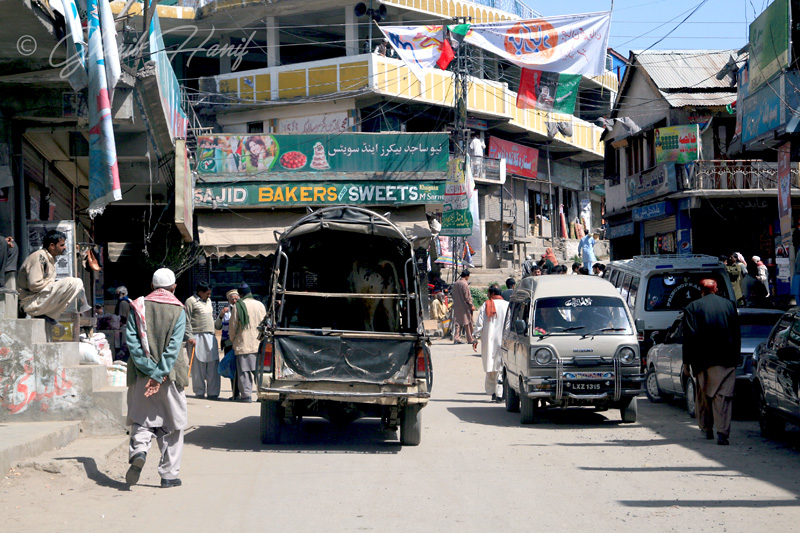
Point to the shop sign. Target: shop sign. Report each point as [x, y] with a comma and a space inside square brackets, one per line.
[276, 157]
[679, 144]
[785, 193]
[477, 124]
[456, 216]
[769, 43]
[653, 211]
[652, 183]
[319, 124]
[520, 160]
[268, 194]
[623, 230]
[762, 112]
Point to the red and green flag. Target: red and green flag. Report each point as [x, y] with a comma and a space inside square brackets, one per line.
[548, 91]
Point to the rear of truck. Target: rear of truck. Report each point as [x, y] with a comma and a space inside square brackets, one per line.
[343, 337]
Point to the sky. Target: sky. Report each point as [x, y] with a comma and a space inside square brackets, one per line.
[638, 24]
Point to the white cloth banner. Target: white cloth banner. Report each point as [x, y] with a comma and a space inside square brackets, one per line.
[419, 47]
[570, 44]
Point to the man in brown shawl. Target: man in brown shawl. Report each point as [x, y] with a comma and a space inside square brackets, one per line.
[712, 348]
[462, 309]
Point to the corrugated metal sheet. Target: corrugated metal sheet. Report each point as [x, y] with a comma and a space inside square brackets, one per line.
[683, 69]
[699, 99]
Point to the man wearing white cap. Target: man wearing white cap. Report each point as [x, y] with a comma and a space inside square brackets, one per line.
[157, 376]
[762, 274]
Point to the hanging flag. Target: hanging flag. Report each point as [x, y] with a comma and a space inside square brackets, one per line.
[75, 66]
[419, 47]
[110, 50]
[104, 185]
[570, 44]
[548, 91]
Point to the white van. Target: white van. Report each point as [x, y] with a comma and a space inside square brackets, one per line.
[569, 341]
[658, 287]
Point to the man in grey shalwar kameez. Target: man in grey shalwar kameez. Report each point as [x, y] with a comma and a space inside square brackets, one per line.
[200, 338]
[157, 376]
[246, 315]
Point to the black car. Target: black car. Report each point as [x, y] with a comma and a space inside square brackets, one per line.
[665, 360]
[777, 375]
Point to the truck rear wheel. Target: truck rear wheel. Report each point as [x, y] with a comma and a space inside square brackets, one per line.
[411, 425]
[512, 398]
[270, 422]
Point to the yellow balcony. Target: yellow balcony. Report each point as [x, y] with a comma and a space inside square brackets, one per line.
[354, 76]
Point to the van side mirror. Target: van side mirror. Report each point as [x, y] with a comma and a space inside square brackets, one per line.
[520, 327]
[789, 353]
[639, 323]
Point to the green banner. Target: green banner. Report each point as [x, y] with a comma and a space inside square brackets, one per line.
[315, 194]
[262, 156]
[456, 217]
[769, 43]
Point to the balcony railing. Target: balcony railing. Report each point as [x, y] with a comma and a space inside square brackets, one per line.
[736, 175]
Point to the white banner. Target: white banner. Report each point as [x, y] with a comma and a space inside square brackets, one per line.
[418, 46]
[570, 44]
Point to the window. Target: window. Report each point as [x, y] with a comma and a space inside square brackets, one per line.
[614, 277]
[632, 292]
[522, 312]
[673, 291]
[625, 286]
[255, 127]
[576, 315]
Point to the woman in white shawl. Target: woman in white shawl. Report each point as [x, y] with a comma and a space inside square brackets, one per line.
[489, 330]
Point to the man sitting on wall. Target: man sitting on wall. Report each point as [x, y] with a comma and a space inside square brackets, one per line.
[40, 294]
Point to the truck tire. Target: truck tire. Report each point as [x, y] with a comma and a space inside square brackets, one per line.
[512, 398]
[270, 422]
[411, 425]
[628, 412]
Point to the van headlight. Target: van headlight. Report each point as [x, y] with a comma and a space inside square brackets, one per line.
[542, 356]
[627, 356]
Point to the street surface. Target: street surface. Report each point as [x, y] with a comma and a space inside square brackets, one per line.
[477, 469]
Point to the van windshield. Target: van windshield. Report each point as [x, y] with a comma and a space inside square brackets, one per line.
[672, 291]
[581, 315]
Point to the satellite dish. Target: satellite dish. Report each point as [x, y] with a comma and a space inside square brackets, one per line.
[379, 14]
[361, 9]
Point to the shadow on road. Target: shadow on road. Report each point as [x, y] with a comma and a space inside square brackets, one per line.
[95, 474]
[494, 414]
[756, 504]
[312, 435]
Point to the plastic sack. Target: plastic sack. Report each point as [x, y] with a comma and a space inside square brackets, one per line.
[227, 367]
[118, 374]
[89, 355]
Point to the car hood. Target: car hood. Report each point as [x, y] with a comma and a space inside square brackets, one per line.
[749, 344]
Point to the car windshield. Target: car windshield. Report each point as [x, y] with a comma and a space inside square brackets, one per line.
[672, 291]
[581, 315]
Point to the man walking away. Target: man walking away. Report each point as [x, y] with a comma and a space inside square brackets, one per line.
[201, 339]
[247, 314]
[157, 376]
[586, 246]
[736, 275]
[40, 294]
[462, 309]
[489, 330]
[510, 284]
[222, 323]
[712, 349]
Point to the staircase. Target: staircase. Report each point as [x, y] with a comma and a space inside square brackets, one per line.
[44, 381]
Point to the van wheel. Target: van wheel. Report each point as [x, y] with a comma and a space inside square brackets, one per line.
[691, 397]
[512, 398]
[411, 425]
[528, 407]
[270, 422]
[652, 389]
[629, 412]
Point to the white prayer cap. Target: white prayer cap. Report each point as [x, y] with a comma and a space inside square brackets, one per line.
[527, 258]
[163, 278]
[756, 259]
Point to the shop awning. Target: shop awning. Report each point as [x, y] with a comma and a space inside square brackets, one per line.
[243, 234]
[249, 234]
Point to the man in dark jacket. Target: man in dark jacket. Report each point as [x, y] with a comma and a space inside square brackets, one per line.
[712, 348]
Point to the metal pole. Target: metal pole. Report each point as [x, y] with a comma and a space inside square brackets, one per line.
[370, 28]
[550, 198]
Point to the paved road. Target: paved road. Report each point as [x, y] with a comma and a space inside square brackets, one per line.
[477, 469]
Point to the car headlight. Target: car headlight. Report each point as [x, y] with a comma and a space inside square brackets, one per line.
[543, 356]
[627, 356]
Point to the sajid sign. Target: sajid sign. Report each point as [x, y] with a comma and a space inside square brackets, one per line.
[316, 193]
[261, 156]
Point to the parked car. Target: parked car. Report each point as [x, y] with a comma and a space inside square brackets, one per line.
[777, 375]
[665, 378]
[658, 287]
[569, 341]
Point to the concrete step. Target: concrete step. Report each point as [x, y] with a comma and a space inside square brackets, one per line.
[87, 378]
[57, 354]
[21, 440]
[32, 330]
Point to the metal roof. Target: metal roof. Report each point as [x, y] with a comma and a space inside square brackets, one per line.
[685, 69]
[704, 99]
